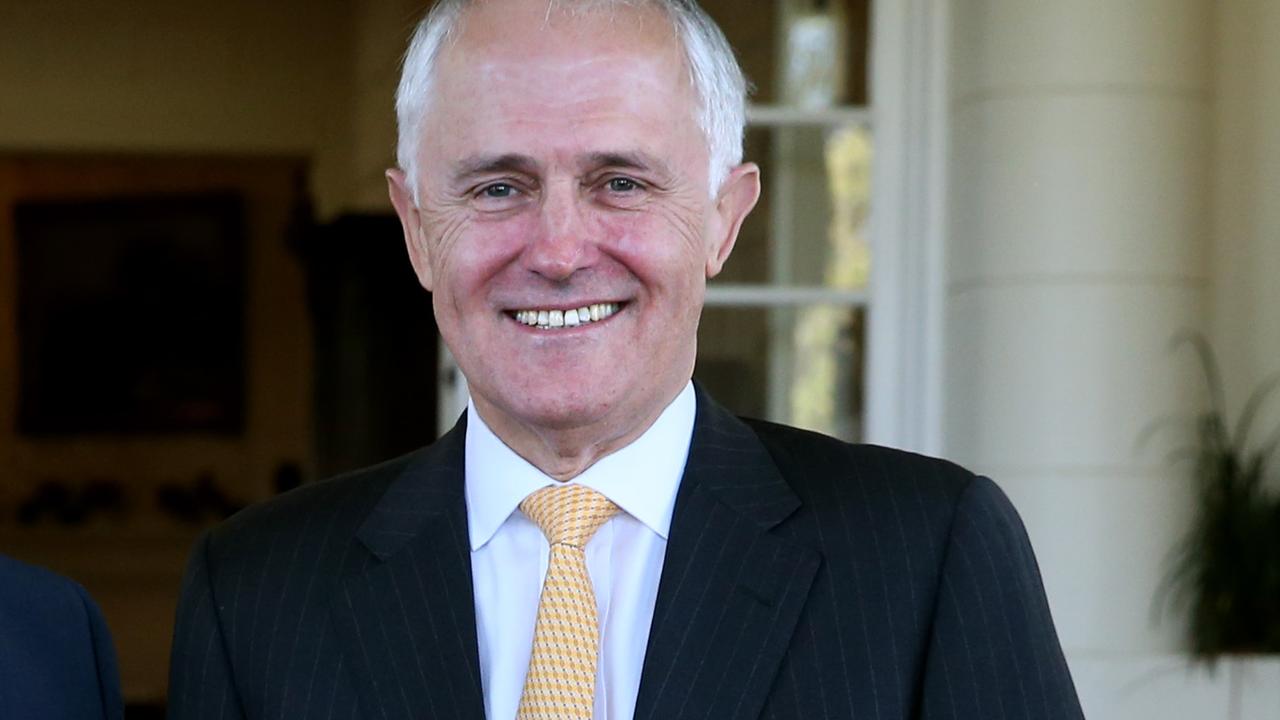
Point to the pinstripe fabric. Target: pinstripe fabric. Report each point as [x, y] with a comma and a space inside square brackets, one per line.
[804, 578]
[810, 578]
[561, 681]
[344, 599]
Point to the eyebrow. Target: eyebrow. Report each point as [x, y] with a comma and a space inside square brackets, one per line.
[632, 160]
[474, 165]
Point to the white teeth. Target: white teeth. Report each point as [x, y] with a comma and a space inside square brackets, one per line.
[546, 319]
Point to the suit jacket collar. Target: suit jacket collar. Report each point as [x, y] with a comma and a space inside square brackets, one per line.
[727, 459]
[728, 599]
[731, 591]
[430, 486]
[405, 616]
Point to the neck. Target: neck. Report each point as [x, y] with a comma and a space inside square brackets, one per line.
[564, 453]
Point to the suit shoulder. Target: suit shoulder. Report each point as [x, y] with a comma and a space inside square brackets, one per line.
[40, 599]
[334, 505]
[810, 460]
[58, 653]
[34, 584]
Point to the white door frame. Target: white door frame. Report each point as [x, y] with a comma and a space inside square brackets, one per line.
[905, 342]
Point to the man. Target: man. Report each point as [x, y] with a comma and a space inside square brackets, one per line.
[596, 537]
[56, 657]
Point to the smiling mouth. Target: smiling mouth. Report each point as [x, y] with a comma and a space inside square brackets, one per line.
[549, 319]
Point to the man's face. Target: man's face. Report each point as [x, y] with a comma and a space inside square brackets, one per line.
[562, 168]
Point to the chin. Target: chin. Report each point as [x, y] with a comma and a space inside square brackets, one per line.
[562, 414]
[551, 408]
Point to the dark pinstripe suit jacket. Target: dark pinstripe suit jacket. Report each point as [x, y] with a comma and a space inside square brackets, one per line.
[804, 578]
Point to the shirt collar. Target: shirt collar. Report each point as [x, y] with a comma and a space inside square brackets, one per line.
[641, 478]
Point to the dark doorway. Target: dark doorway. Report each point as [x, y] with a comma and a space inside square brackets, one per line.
[375, 344]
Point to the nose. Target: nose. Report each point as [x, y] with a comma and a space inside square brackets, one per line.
[562, 243]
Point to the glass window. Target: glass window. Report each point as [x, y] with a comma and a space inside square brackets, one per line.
[783, 334]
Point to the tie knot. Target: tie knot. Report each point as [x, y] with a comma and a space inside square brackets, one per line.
[568, 514]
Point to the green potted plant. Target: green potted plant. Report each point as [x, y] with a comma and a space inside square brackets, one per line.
[1226, 571]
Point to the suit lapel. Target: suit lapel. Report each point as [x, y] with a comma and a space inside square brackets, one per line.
[405, 613]
[728, 600]
[730, 593]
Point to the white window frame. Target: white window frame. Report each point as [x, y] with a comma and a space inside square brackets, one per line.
[906, 333]
[904, 301]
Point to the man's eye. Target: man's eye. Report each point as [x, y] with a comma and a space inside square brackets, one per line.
[497, 191]
[623, 185]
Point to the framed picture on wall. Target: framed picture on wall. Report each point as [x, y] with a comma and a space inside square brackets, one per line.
[131, 315]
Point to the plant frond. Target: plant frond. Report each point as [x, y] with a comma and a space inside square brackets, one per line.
[1257, 400]
[1213, 433]
[1208, 365]
[1268, 448]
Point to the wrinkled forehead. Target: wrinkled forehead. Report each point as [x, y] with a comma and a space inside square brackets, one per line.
[517, 77]
[536, 44]
[519, 23]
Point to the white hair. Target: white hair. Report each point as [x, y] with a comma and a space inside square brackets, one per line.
[714, 73]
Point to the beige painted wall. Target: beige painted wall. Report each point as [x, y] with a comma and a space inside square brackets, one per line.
[237, 76]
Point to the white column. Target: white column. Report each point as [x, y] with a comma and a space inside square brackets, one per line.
[1079, 224]
[1245, 304]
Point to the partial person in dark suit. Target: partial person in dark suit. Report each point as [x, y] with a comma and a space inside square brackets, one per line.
[569, 178]
[56, 657]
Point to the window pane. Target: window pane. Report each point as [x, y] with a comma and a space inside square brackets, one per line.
[796, 365]
[810, 225]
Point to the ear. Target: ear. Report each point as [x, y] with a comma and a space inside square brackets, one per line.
[415, 240]
[738, 195]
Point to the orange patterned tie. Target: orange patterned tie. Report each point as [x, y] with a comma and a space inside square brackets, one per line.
[561, 681]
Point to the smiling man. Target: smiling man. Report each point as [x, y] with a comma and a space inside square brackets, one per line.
[597, 537]
[553, 171]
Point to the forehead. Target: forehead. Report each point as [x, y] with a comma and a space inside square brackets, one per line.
[525, 25]
[518, 66]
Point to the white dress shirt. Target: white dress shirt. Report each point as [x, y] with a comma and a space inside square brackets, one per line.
[509, 555]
